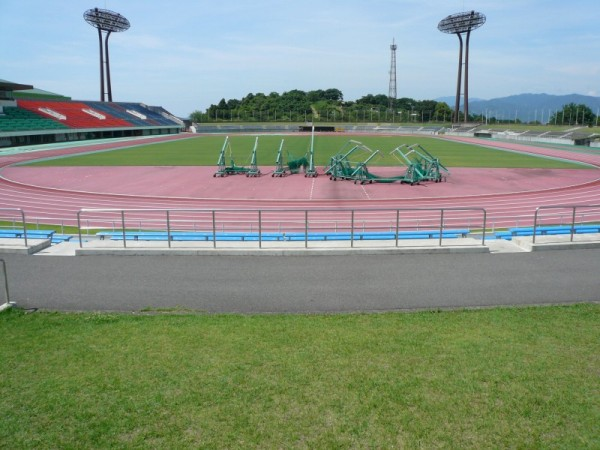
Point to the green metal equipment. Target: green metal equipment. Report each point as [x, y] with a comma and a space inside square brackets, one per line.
[294, 165]
[253, 171]
[420, 164]
[224, 170]
[342, 168]
[311, 171]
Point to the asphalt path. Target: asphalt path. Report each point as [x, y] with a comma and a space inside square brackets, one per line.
[302, 284]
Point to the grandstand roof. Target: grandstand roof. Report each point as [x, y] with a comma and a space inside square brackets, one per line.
[38, 94]
[6, 85]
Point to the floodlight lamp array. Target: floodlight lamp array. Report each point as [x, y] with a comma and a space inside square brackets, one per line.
[461, 22]
[106, 20]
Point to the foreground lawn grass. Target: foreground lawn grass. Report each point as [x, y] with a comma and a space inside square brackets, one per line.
[520, 378]
[204, 151]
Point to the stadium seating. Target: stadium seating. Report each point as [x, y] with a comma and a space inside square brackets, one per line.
[73, 114]
[34, 119]
[152, 116]
[51, 114]
[134, 113]
[118, 111]
[18, 119]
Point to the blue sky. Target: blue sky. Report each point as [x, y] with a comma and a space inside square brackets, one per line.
[185, 55]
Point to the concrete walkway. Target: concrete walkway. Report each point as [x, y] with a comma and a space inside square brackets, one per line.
[307, 284]
[103, 276]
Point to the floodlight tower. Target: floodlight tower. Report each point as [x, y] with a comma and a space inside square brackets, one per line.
[392, 91]
[107, 21]
[458, 24]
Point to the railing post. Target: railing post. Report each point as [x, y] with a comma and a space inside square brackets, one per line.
[535, 219]
[259, 228]
[441, 226]
[123, 228]
[484, 226]
[397, 225]
[8, 304]
[306, 228]
[168, 228]
[214, 229]
[352, 229]
[24, 227]
[79, 228]
[573, 223]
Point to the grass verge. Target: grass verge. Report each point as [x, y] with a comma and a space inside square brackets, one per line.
[498, 378]
[62, 229]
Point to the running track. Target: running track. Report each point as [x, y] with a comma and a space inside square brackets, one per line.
[54, 201]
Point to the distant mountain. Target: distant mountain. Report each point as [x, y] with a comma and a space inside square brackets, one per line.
[526, 107]
[450, 100]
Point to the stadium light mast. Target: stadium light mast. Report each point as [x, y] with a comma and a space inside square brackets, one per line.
[107, 21]
[392, 91]
[460, 24]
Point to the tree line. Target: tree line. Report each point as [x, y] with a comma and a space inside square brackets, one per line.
[322, 106]
[328, 105]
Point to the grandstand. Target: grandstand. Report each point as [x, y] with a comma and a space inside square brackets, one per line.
[31, 116]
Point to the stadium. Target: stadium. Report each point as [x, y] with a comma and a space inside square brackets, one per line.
[169, 283]
[33, 116]
[486, 192]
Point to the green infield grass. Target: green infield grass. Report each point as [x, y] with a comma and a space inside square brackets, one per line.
[204, 151]
[62, 229]
[493, 378]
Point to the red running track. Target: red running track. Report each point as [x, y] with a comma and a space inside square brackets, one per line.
[510, 196]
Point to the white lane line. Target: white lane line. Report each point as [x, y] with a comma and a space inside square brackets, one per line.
[365, 191]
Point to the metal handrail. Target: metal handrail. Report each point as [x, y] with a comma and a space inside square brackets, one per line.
[573, 209]
[212, 217]
[22, 213]
[6, 293]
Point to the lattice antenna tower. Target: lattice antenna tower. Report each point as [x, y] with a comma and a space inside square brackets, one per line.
[392, 91]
